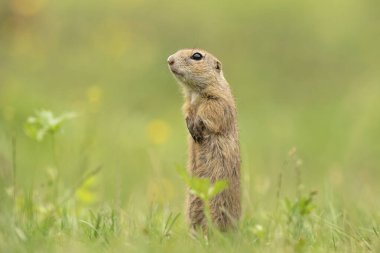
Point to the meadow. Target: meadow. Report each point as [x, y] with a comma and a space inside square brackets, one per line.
[92, 135]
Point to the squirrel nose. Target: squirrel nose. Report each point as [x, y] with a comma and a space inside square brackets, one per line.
[171, 60]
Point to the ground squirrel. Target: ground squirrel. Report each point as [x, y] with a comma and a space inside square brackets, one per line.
[214, 152]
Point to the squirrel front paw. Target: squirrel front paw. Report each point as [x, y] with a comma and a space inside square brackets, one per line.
[196, 128]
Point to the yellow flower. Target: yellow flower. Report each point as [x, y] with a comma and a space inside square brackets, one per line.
[94, 94]
[87, 193]
[158, 131]
[85, 196]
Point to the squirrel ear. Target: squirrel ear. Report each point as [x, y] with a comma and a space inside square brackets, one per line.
[218, 66]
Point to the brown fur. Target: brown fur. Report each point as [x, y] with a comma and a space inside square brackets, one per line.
[214, 152]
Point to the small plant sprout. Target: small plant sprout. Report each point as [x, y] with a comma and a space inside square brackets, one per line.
[44, 122]
[204, 189]
[299, 213]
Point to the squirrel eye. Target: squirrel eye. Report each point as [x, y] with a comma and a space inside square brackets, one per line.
[197, 56]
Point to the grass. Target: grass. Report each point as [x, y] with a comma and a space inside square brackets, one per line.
[55, 217]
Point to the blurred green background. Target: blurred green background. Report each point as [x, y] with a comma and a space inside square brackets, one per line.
[305, 74]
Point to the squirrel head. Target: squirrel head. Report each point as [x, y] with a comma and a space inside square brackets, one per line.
[196, 69]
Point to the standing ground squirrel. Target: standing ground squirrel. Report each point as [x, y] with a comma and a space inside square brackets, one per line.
[214, 152]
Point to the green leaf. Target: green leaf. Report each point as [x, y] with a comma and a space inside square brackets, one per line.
[202, 187]
[218, 187]
[44, 122]
[183, 174]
